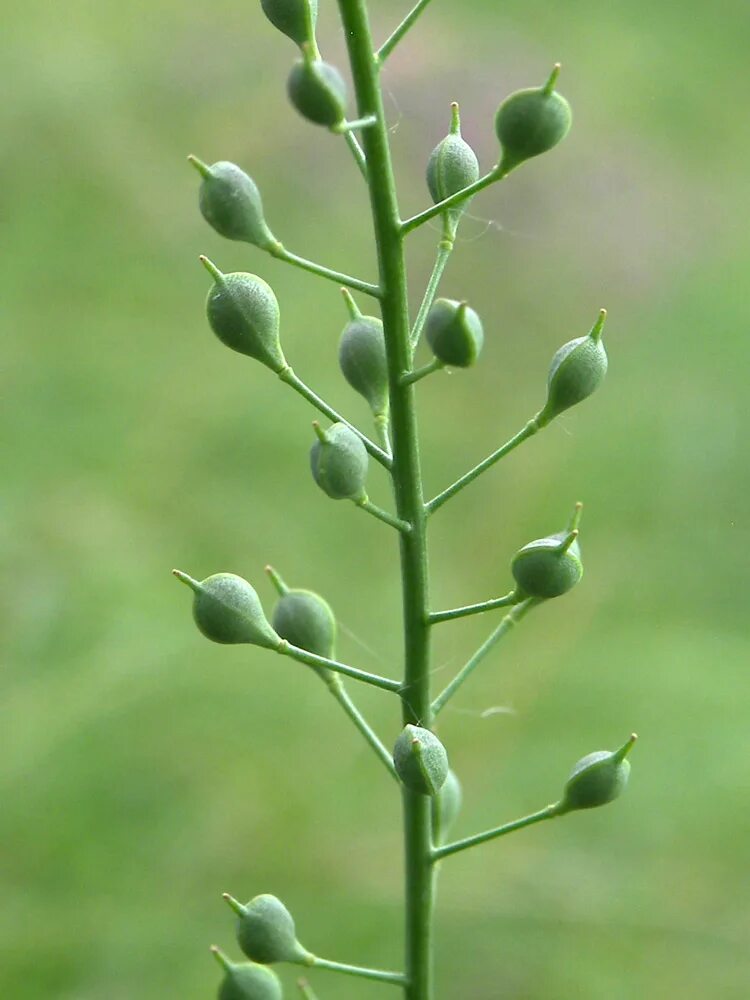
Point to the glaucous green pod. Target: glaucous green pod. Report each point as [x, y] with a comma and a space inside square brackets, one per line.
[452, 166]
[551, 566]
[597, 779]
[246, 980]
[577, 369]
[243, 313]
[363, 362]
[420, 760]
[446, 805]
[454, 333]
[304, 619]
[317, 90]
[265, 930]
[227, 609]
[530, 122]
[230, 201]
[338, 461]
[294, 18]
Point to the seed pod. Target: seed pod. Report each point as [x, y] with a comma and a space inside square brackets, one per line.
[597, 779]
[530, 122]
[452, 166]
[294, 18]
[229, 201]
[420, 760]
[549, 567]
[244, 314]
[446, 805]
[317, 90]
[265, 930]
[454, 332]
[246, 980]
[304, 619]
[227, 609]
[338, 461]
[362, 357]
[577, 369]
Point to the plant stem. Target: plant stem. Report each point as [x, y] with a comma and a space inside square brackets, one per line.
[357, 152]
[407, 482]
[357, 970]
[313, 660]
[339, 692]
[450, 202]
[408, 378]
[445, 246]
[305, 989]
[549, 812]
[281, 253]
[435, 617]
[390, 44]
[383, 515]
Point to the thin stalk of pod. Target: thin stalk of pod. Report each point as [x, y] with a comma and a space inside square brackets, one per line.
[306, 990]
[312, 660]
[395, 37]
[435, 617]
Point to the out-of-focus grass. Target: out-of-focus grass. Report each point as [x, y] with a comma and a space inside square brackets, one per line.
[143, 770]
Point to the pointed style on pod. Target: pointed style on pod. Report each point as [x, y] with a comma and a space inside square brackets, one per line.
[317, 90]
[230, 201]
[362, 357]
[338, 461]
[294, 18]
[243, 313]
[530, 122]
[551, 566]
[420, 760]
[227, 609]
[265, 930]
[447, 803]
[452, 166]
[597, 779]
[577, 369]
[246, 980]
[454, 333]
[303, 618]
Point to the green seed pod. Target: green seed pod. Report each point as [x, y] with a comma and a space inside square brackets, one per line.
[265, 930]
[446, 805]
[317, 90]
[454, 332]
[420, 760]
[227, 609]
[549, 567]
[246, 980]
[304, 619]
[452, 166]
[577, 369]
[362, 357]
[294, 18]
[244, 314]
[530, 122]
[230, 202]
[597, 779]
[338, 461]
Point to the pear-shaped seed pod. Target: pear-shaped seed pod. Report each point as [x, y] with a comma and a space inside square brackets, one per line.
[243, 312]
[229, 201]
[338, 461]
[454, 332]
[420, 760]
[597, 779]
[265, 930]
[363, 360]
[228, 610]
[247, 981]
[294, 18]
[577, 369]
[452, 166]
[447, 804]
[317, 90]
[530, 122]
[304, 619]
[551, 566]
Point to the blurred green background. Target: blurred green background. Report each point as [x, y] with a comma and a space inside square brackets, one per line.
[144, 770]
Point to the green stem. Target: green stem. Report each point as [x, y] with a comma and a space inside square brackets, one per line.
[435, 617]
[407, 482]
[382, 515]
[313, 660]
[390, 44]
[305, 989]
[339, 692]
[408, 378]
[526, 432]
[511, 619]
[451, 201]
[549, 812]
[357, 152]
[362, 972]
[281, 253]
[445, 246]
[357, 123]
[382, 429]
[288, 376]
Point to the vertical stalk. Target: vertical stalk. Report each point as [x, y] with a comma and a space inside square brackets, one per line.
[407, 482]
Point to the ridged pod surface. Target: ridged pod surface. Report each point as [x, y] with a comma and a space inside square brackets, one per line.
[265, 930]
[452, 166]
[454, 332]
[530, 122]
[549, 567]
[597, 779]
[576, 371]
[230, 202]
[227, 609]
[303, 618]
[420, 760]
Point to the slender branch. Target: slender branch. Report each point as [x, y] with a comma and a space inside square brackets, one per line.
[382, 429]
[436, 365]
[313, 660]
[435, 617]
[288, 376]
[357, 152]
[454, 199]
[511, 619]
[549, 812]
[382, 515]
[281, 253]
[352, 126]
[445, 246]
[397, 978]
[339, 692]
[526, 432]
[390, 44]
[306, 990]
